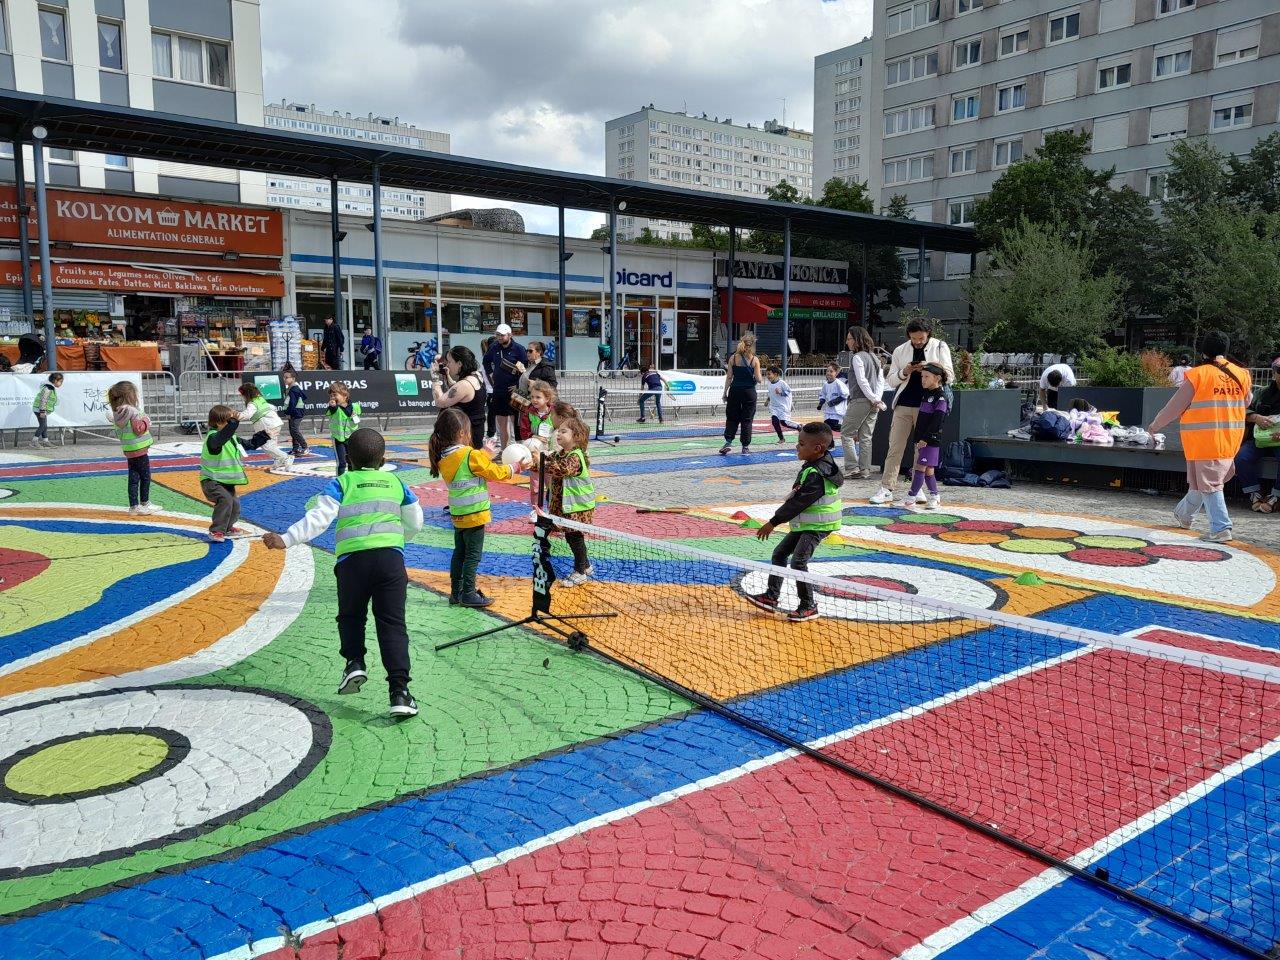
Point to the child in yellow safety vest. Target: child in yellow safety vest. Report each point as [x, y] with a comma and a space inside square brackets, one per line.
[133, 428]
[222, 472]
[376, 516]
[266, 423]
[571, 494]
[467, 472]
[813, 510]
[344, 418]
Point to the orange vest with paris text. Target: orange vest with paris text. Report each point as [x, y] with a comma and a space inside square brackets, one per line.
[1213, 426]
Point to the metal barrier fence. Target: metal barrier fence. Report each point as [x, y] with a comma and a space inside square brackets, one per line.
[200, 390]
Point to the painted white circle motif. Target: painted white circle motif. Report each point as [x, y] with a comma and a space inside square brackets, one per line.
[231, 750]
[910, 580]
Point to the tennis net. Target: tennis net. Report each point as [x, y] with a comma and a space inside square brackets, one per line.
[1144, 765]
[669, 413]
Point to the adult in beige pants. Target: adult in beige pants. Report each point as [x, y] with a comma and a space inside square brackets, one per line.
[866, 390]
[904, 378]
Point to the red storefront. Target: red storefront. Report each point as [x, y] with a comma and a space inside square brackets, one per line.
[818, 320]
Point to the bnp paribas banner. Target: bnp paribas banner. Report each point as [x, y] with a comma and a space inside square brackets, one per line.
[377, 391]
[82, 398]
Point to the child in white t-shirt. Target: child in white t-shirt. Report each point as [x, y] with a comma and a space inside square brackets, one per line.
[833, 399]
[779, 403]
[266, 423]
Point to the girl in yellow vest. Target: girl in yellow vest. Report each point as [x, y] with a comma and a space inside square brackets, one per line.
[571, 493]
[344, 418]
[266, 424]
[467, 472]
[1210, 408]
[133, 428]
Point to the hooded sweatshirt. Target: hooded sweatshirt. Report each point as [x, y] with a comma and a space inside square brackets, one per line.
[806, 494]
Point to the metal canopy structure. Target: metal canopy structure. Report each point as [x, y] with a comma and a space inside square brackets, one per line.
[103, 128]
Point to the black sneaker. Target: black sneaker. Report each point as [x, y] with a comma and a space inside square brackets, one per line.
[763, 601]
[724, 451]
[353, 677]
[403, 705]
[474, 599]
[641, 420]
[800, 614]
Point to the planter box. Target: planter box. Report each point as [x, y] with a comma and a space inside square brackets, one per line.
[975, 413]
[1137, 406]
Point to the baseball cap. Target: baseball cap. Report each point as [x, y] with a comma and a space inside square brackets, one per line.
[503, 328]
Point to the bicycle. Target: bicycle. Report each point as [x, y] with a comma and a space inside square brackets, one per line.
[421, 355]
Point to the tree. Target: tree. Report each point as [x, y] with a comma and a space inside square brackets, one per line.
[1041, 292]
[1254, 179]
[1198, 175]
[1124, 239]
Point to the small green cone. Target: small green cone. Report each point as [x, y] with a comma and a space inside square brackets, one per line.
[751, 524]
[1029, 579]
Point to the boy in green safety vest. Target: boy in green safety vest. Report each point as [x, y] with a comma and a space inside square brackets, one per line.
[376, 515]
[813, 510]
[45, 403]
[344, 418]
[222, 472]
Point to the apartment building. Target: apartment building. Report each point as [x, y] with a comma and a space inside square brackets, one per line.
[193, 59]
[703, 153]
[355, 199]
[964, 89]
[842, 129]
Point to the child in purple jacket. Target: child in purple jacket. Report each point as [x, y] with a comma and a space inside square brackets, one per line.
[928, 436]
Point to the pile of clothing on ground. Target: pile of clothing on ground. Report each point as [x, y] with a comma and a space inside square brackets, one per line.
[1083, 425]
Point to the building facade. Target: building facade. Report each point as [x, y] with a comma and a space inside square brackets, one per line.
[353, 198]
[193, 59]
[963, 90]
[703, 153]
[842, 130]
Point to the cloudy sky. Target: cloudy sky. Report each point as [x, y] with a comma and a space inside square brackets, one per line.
[533, 81]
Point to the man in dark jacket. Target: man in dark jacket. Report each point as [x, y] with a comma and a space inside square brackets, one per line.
[332, 344]
[1264, 411]
[501, 363]
[371, 350]
[813, 510]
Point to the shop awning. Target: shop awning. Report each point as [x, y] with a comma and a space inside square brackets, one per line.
[127, 131]
[749, 309]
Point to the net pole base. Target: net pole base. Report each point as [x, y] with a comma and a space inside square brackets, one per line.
[576, 639]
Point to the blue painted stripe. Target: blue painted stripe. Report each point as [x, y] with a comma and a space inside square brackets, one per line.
[1114, 613]
[120, 597]
[304, 878]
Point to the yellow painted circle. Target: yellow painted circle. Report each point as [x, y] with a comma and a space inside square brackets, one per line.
[86, 764]
[1045, 533]
[972, 536]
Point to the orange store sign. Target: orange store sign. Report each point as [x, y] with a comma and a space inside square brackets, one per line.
[99, 276]
[135, 221]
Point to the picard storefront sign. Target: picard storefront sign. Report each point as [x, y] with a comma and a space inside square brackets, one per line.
[100, 276]
[108, 220]
[772, 270]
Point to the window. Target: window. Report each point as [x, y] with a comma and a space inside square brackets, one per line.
[1110, 133]
[844, 67]
[1064, 26]
[960, 212]
[964, 107]
[1235, 46]
[1114, 76]
[114, 160]
[4, 32]
[1172, 61]
[967, 6]
[912, 17]
[110, 53]
[53, 35]
[1158, 185]
[908, 169]
[963, 160]
[59, 155]
[1232, 115]
[1059, 85]
[968, 53]
[911, 68]
[908, 120]
[1168, 123]
[191, 59]
[1007, 152]
[1011, 97]
[1166, 7]
[911, 267]
[1114, 15]
[1014, 42]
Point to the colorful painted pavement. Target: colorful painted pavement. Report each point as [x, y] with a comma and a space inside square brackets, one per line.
[178, 777]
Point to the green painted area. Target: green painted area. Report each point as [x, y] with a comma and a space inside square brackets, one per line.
[927, 517]
[108, 491]
[858, 520]
[1110, 542]
[89, 763]
[1037, 546]
[483, 705]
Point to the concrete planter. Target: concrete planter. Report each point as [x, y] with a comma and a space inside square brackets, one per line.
[1137, 406]
[974, 413]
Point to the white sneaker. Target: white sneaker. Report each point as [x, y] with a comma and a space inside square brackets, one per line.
[148, 508]
[883, 495]
[573, 580]
[907, 503]
[1184, 524]
[35, 442]
[1221, 536]
[933, 502]
[922, 497]
[136, 511]
[288, 461]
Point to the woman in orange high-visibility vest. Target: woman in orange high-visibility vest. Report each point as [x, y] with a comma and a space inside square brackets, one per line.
[1210, 408]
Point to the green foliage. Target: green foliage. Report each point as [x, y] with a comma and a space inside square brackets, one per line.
[1040, 292]
[1120, 368]
[1254, 179]
[970, 373]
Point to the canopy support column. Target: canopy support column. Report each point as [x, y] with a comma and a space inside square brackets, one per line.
[335, 238]
[733, 274]
[615, 324]
[24, 236]
[786, 292]
[46, 272]
[920, 276]
[561, 354]
[380, 325]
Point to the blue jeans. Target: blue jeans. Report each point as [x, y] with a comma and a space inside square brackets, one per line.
[1248, 463]
[1215, 505]
[657, 402]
